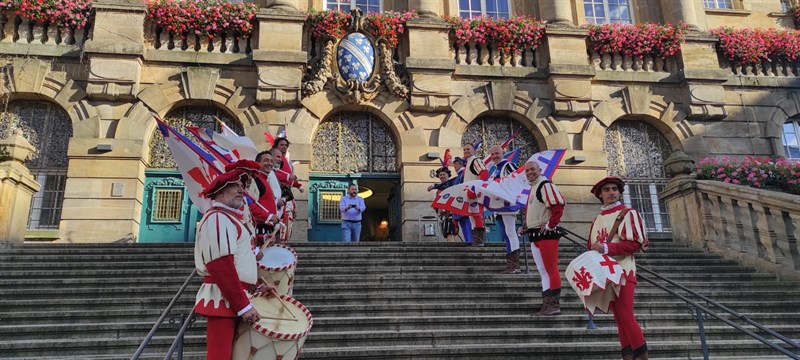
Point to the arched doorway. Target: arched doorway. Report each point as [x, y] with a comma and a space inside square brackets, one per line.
[494, 130]
[167, 213]
[354, 147]
[48, 128]
[636, 153]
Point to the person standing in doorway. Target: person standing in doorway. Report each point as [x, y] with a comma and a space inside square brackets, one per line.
[352, 206]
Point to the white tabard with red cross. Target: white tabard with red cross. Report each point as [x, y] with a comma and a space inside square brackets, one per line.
[596, 278]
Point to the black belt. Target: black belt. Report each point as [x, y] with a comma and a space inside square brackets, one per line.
[352, 221]
[556, 233]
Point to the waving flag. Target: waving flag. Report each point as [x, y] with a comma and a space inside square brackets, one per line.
[501, 195]
[548, 161]
[270, 139]
[446, 160]
[198, 167]
[508, 141]
[232, 141]
[512, 156]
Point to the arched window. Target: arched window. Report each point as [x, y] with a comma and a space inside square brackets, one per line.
[48, 128]
[354, 143]
[494, 130]
[791, 138]
[636, 153]
[200, 116]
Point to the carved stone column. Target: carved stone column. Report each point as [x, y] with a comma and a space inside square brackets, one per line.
[680, 11]
[281, 5]
[17, 186]
[429, 9]
[557, 12]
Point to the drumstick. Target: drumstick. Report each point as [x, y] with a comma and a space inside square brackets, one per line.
[281, 301]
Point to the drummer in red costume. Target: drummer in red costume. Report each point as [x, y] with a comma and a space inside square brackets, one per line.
[224, 256]
[619, 231]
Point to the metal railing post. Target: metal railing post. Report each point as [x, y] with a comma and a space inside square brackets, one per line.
[700, 315]
[180, 339]
[590, 325]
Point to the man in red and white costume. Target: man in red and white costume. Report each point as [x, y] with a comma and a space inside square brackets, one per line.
[285, 174]
[265, 209]
[542, 216]
[620, 232]
[224, 256]
[475, 170]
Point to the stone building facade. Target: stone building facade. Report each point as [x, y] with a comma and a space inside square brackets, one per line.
[99, 172]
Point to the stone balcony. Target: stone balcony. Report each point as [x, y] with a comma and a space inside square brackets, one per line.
[20, 36]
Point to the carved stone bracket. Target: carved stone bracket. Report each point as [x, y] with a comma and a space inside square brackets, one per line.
[322, 73]
[572, 97]
[707, 102]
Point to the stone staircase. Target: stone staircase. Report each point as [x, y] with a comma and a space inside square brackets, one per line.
[376, 301]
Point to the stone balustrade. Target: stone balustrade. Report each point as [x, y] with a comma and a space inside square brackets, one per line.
[621, 62]
[757, 227]
[489, 55]
[222, 42]
[774, 68]
[16, 29]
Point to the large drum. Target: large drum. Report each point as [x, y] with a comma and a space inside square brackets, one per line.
[596, 278]
[279, 335]
[277, 267]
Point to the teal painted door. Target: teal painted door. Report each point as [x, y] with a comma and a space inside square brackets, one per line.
[167, 212]
[323, 207]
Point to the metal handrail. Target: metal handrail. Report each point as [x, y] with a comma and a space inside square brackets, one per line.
[700, 310]
[163, 316]
[177, 344]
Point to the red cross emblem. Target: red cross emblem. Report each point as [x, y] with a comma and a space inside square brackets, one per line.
[583, 280]
[609, 263]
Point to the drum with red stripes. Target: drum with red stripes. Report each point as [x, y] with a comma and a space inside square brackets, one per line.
[279, 335]
[277, 267]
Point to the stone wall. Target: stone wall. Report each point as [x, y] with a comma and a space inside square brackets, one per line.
[562, 95]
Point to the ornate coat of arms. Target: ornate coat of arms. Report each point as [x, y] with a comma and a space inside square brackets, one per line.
[362, 64]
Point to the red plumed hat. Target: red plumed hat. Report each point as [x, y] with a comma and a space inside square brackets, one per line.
[220, 182]
[246, 165]
[609, 180]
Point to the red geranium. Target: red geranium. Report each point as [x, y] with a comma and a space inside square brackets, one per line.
[61, 13]
[637, 39]
[751, 46]
[510, 35]
[202, 17]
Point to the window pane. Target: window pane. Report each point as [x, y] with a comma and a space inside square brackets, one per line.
[368, 6]
[343, 5]
[788, 128]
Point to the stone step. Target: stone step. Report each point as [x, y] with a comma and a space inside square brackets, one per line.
[589, 350]
[304, 254]
[512, 307]
[316, 282]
